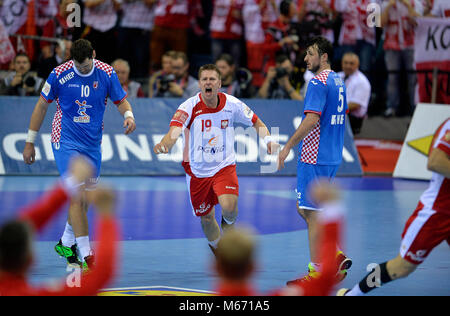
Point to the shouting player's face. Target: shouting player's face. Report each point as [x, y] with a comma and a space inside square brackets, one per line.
[210, 84]
[312, 59]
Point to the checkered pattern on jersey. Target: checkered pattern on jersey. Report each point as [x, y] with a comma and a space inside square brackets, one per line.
[103, 66]
[56, 123]
[323, 76]
[310, 146]
[61, 68]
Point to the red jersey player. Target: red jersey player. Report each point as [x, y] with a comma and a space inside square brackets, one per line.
[16, 249]
[235, 262]
[427, 227]
[207, 120]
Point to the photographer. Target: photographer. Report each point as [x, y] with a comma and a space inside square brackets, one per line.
[178, 84]
[234, 82]
[21, 81]
[282, 82]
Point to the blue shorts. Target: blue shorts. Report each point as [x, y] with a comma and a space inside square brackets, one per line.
[306, 175]
[64, 152]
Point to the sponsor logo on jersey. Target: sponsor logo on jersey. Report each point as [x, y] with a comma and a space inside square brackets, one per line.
[46, 88]
[84, 117]
[213, 141]
[66, 78]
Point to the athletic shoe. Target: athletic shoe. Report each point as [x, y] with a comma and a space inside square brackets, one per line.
[342, 292]
[70, 253]
[312, 274]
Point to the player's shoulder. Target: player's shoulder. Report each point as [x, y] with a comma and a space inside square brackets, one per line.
[320, 80]
[63, 68]
[231, 100]
[103, 67]
[191, 102]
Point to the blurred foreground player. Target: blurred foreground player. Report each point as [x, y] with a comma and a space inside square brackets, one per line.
[208, 120]
[80, 88]
[427, 227]
[16, 236]
[235, 254]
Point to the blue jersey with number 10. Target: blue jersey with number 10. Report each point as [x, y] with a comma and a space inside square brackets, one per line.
[81, 102]
[326, 96]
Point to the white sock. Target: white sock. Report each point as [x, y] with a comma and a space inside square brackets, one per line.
[83, 246]
[356, 291]
[68, 237]
[214, 243]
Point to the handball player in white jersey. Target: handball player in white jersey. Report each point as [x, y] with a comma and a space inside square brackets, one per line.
[207, 121]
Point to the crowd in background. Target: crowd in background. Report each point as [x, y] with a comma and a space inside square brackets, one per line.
[157, 46]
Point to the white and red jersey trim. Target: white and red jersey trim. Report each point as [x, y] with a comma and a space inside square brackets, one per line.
[209, 133]
[437, 196]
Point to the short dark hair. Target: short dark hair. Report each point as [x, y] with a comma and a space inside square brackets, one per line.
[323, 46]
[81, 49]
[21, 54]
[285, 7]
[226, 58]
[14, 245]
[209, 67]
[281, 59]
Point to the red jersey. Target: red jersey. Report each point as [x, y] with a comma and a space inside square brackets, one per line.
[320, 286]
[437, 196]
[40, 213]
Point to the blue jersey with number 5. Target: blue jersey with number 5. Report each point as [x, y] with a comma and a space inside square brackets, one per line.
[325, 96]
[81, 101]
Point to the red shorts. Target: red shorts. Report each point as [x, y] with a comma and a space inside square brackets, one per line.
[424, 230]
[204, 192]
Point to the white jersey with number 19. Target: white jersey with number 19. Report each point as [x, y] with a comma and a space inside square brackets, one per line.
[209, 133]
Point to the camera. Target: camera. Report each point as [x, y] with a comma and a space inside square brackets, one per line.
[280, 72]
[164, 81]
[29, 80]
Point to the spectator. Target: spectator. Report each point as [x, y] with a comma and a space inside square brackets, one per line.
[16, 249]
[254, 38]
[236, 252]
[133, 41]
[100, 17]
[181, 85]
[358, 90]
[398, 20]
[170, 32]
[282, 82]
[440, 9]
[132, 88]
[21, 81]
[165, 74]
[63, 29]
[355, 35]
[60, 54]
[277, 39]
[320, 12]
[226, 28]
[230, 83]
